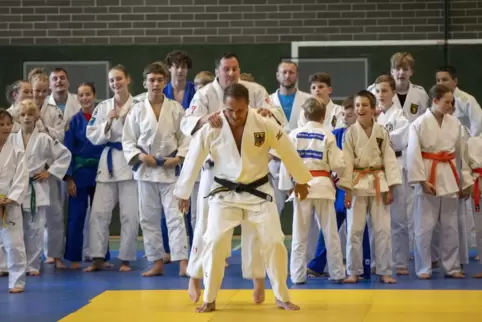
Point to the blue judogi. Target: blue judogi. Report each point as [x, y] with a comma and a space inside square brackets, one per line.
[319, 262]
[189, 92]
[83, 170]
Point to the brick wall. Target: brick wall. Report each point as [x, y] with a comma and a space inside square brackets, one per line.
[116, 22]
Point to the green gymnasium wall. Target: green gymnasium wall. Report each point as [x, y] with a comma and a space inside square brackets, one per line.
[260, 60]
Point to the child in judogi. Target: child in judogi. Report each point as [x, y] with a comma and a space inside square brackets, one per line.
[391, 117]
[13, 188]
[202, 79]
[434, 146]
[80, 178]
[15, 93]
[371, 173]
[317, 147]
[41, 152]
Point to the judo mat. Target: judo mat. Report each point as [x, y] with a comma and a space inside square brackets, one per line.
[72, 295]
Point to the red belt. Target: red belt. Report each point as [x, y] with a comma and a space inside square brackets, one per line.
[320, 173]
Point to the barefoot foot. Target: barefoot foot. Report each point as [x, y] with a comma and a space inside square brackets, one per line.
[457, 275]
[33, 273]
[194, 289]
[166, 258]
[351, 279]
[387, 279]
[478, 275]
[258, 292]
[59, 264]
[16, 290]
[288, 306]
[125, 267]
[156, 270]
[50, 260]
[402, 271]
[74, 265]
[97, 265]
[206, 307]
[424, 276]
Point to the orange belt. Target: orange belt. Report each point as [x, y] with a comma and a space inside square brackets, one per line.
[320, 173]
[370, 170]
[477, 189]
[441, 157]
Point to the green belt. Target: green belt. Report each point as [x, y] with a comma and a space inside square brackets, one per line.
[80, 162]
[33, 198]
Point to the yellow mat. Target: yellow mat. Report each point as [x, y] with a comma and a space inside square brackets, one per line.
[316, 305]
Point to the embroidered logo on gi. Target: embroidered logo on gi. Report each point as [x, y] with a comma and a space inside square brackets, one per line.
[259, 138]
[92, 121]
[379, 142]
[279, 135]
[333, 121]
[67, 124]
[389, 127]
[413, 108]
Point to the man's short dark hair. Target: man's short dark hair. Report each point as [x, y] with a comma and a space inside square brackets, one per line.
[178, 58]
[448, 69]
[236, 91]
[156, 68]
[226, 55]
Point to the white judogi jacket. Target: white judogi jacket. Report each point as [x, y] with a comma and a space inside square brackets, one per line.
[317, 147]
[260, 135]
[13, 173]
[416, 102]
[71, 107]
[468, 111]
[361, 151]
[333, 117]
[474, 156]
[97, 134]
[397, 125]
[426, 135]
[300, 98]
[159, 138]
[42, 151]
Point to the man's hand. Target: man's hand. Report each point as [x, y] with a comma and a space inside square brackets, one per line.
[348, 199]
[214, 119]
[171, 162]
[148, 159]
[41, 176]
[301, 191]
[388, 197]
[467, 192]
[71, 188]
[428, 188]
[263, 111]
[5, 201]
[183, 205]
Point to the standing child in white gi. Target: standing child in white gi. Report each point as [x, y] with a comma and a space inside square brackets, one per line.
[114, 176]
[371, 172]
[391, 117]
[15, 93]
[154, 145]
[41, 152]
[434, 146]
[13, 188]
[317, 147]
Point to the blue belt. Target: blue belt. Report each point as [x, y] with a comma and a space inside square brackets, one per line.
[110, 146]
[159, 160]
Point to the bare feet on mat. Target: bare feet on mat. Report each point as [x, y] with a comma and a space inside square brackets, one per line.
[97, 265]
[387, 279]
[156, 270]
[59, 264]
[16, 290]
[402, 271]
[49, 260]
[166, 258]
[288, 306]
[33, 273]
[478, 275]
[424, 276]
[74, 265]
[351, 279]
[194, 289]
[258, 292]
[125, 267]
[183, 268]
[456, 275]
[206, 307]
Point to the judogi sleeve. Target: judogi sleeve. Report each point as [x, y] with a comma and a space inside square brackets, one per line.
[278, 140]
[60, 156]
[302, 119]
[392, 168]
[285, 183]
[69, 142]
[399, 135]
[335, 156]
[19, 187]
[474, 112]
[57, 128]
[182, 140]
[130, 133]
[346, 179]
[97, 131]
[461, 152]
[424, 103]
[198, 151]
[261, 98]
[197, 109]
[415, 166]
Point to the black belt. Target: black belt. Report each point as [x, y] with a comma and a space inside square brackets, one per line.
[398, 154]
[227, 185]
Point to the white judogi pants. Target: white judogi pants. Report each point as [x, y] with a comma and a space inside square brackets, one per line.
[154, 198]
[462, 223]
[380, 220]
[54, 232]
[252, 262]
[222, 220]
[428, 211]
[471, 232]
[12, 247]
[33, 233]
[279, 196]
[400, 225]
[478, 231]
[106, 196]
[194, 201]
[326, 221]
[85, 232]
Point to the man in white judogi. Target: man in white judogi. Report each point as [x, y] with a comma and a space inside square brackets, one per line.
[154, 144]
[290, 99]
[241, 189]
[206, 101]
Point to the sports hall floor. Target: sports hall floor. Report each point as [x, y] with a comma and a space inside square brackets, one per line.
[73, 296]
